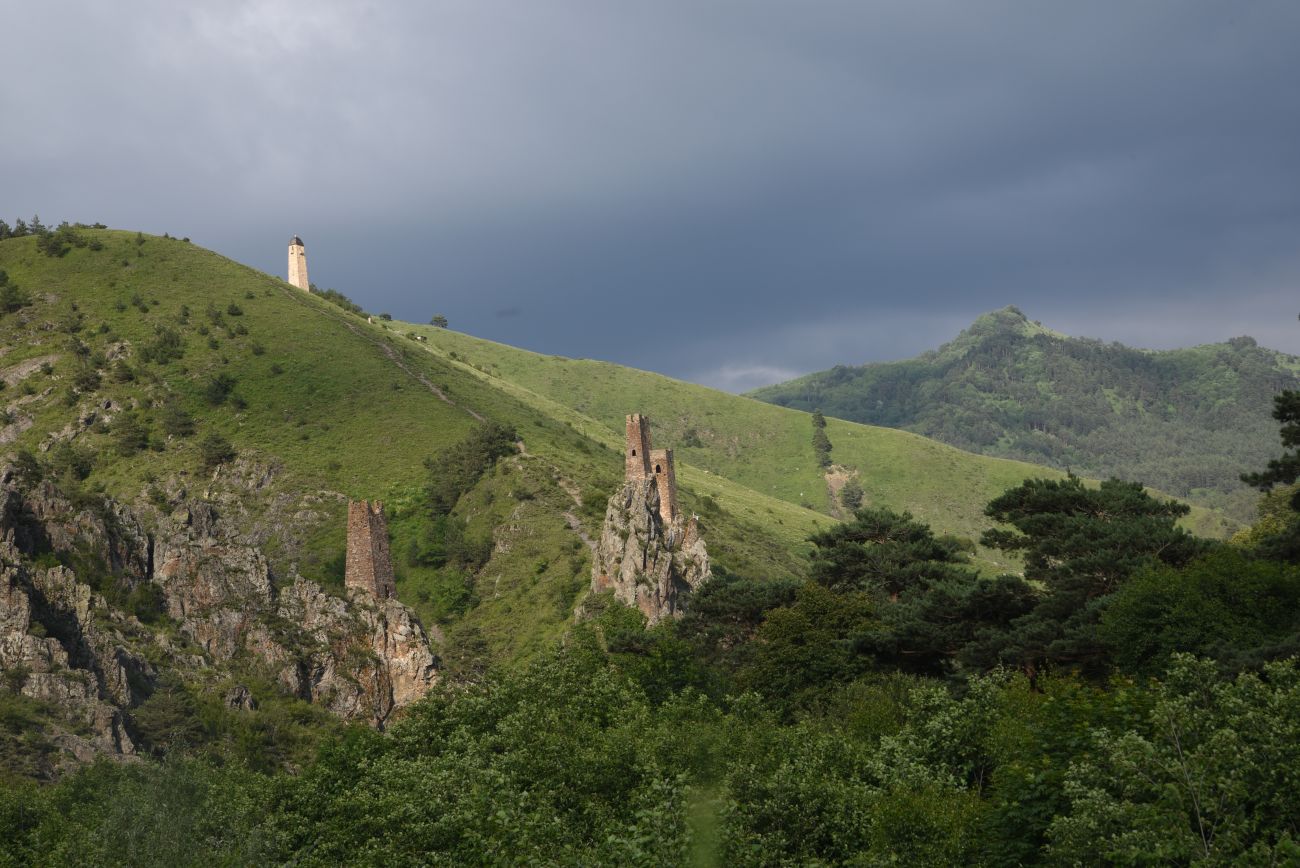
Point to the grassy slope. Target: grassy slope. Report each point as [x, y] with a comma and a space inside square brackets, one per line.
[760, 446]
[341, 416]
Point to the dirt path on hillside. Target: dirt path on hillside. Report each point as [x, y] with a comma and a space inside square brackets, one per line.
[570, 517]
[570, 488]
[396, 358]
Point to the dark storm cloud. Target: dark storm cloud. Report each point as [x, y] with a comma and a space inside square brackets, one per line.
[731, 191]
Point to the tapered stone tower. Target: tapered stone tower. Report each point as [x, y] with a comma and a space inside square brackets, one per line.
[368, 566]
[298, 263]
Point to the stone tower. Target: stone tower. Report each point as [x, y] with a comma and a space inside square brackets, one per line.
[298, 263]
[369, 566]
[649, 555]
[638, 447]
[642, 462]
[661, 465]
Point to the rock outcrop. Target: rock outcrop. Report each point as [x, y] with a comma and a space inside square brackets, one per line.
[359, 657]
[648, 563]
[64, 644]
[59, 646]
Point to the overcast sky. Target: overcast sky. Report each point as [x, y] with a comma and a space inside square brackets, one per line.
[727, 191]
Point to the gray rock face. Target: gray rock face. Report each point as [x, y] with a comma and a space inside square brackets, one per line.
[646, 562]
[57, 647]
[359, 657]
[62, 643]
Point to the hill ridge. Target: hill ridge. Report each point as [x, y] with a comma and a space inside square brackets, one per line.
[1186, 420]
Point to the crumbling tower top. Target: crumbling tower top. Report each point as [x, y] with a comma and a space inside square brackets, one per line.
[642, 463]
[637, 451]
[369, 566]
[661, 466]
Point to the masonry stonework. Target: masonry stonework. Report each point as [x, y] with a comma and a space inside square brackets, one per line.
[298, 263]
[638, 447]
[369, 565]
[661, 467]
[642, 462]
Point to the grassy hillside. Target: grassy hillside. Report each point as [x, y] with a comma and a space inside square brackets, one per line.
[765, 448]
[1186, 421]
[133, 327]
[123, 334]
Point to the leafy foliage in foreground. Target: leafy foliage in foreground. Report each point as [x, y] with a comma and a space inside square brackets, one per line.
[571, 762]
[781, 723]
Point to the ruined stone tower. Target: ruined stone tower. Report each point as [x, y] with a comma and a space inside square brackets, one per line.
[642, 462]
[298, 263]
[369, 566]
[661, 465]
[638, 447]
[649, 555]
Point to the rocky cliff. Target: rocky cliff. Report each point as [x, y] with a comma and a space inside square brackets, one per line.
[73, 568]
[648, 563]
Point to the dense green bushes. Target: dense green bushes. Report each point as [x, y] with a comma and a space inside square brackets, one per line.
[570, 761]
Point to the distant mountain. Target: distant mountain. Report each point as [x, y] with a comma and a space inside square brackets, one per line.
[1186, 421]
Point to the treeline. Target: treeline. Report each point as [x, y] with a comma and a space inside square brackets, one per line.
[52, 241]
[591, 755]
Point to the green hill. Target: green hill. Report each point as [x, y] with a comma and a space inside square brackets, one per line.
[1186, 421]
[143, 328]
[109, 346]
[767, 449]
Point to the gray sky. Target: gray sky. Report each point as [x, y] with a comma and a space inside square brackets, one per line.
[728, 191]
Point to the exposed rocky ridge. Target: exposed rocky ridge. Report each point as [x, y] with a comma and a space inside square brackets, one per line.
[64, 644]
[646, 562]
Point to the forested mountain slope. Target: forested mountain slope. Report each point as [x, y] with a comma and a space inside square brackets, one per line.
[1186, 421]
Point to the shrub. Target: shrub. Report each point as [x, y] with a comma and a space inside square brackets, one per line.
[12, 298]
[86, 380]
[175, 421]
[67, 459]
[130, 434]
[166, 346]
[333, 296]
[851, 494]
[218, 389]
[215, 450]
[455, 471]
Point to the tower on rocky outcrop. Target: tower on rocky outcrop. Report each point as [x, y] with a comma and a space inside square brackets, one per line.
[369, 565]
[298, 263]
[642, 462]
[638, 447]
[649, 555]
[661, 466]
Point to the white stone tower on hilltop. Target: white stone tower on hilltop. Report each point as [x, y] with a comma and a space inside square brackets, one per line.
[298, 263]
